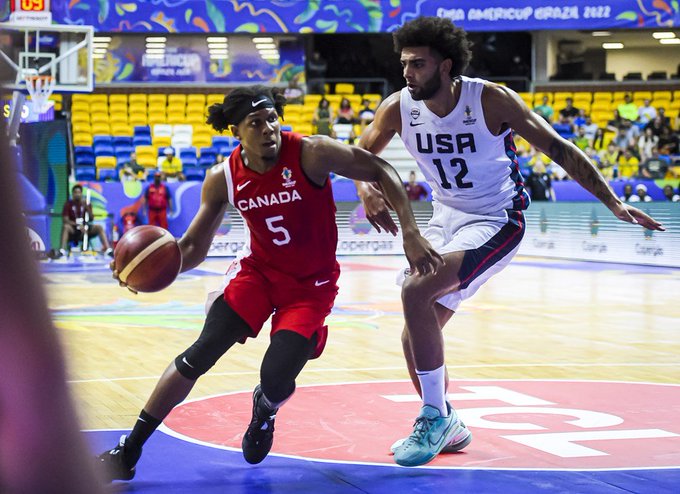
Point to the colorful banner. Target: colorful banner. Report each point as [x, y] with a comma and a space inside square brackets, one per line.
[345, 16]
[187, 59]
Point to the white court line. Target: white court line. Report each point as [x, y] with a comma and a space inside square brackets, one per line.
[370, 369]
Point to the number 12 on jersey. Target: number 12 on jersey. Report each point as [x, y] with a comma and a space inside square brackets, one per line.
[455, 162]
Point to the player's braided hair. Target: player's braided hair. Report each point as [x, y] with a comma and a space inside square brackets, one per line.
[441, 35]
[239, 103]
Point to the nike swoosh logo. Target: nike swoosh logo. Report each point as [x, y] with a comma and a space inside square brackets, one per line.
[255, 103]
[184, 359]
[242, 186]
[413, 124]
[319, 283]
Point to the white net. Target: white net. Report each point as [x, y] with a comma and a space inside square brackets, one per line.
[40, 88]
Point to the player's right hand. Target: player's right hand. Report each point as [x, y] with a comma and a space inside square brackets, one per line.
[377, 211]
[114, 271]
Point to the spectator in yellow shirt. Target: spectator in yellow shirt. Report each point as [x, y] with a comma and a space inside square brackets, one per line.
[608, 158]
[628, 164]
[171, 166]
[628, 109]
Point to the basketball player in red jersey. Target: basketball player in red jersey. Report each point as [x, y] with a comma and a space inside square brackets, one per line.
[279, 182]
[157, 201]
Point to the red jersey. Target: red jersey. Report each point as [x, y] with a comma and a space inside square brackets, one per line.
[290, 221]
[76, 210]
[157, 196]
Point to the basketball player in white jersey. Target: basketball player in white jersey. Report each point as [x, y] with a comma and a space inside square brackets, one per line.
[459, 130]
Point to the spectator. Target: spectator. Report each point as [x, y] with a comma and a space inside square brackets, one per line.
[668, 142]
[641, 191]
[646, 113]
[580, 119]
[646, 143]
[545, 110]
[366, 114]
[657, 125]
[157, 201]
[628, 164]
[294, 94]
[628, 195]
[345, 113]
[628, 109]
[131, 170]
[665, 121]
[323, 116]
[414, 190]
[569, 111]
[669, 194]
[580, 139]
[219, 158]
[171, 166]
[598, 140]
[590, 128]
[654, 167]
[539, 183]
[609, 158]
[77, 220]
[615, 123]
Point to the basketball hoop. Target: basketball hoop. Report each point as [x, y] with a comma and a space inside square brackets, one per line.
[40, 88]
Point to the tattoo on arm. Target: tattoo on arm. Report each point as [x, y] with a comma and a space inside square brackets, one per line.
[579, 167]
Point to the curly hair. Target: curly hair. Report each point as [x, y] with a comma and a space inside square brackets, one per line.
[237, 104]
[440, 35]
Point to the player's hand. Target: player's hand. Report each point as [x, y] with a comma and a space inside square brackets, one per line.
[114, 271]
[377, 209]
[422, 258]
[630, 214]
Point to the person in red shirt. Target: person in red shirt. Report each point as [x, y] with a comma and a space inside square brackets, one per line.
[279, 182]
[157, 201]
[77, 220]
[414, 190]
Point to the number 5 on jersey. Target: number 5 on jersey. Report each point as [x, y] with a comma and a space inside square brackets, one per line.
[279, 230]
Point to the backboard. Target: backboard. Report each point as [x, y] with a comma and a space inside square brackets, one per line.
[60, 51]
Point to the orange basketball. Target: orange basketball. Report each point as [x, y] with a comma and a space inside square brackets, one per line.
[147, 258]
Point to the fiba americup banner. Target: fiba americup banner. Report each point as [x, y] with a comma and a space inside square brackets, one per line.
[343, 16]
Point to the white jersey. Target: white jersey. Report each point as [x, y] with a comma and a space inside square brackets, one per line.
[468, 167]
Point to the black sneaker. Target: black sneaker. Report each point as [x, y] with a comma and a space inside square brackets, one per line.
[258, 439]
[119, 463]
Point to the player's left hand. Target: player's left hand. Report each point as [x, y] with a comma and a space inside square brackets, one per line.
[630, 214]
[422, 258]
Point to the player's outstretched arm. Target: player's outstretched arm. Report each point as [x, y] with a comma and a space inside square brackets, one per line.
[196, 241]
[506, 104]
[375, 138]
[322, 155]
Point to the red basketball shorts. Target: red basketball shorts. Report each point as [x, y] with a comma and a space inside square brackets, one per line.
[158, 217]
[297, 305]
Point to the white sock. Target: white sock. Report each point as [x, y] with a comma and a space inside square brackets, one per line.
[432, 387]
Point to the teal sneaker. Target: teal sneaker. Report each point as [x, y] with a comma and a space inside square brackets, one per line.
[431, 434]
[462, 438]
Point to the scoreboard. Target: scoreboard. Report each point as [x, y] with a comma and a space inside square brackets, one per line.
[30, 12]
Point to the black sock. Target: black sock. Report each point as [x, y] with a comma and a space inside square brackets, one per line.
[144, 427]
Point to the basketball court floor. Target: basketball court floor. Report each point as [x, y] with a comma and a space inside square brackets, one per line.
[567, 373]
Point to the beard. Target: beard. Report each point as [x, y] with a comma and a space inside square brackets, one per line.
[428, 89]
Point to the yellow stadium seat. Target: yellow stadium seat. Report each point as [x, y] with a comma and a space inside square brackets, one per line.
[214, 98]
[202, 140]
[563, 95]
[194, 107]
[602, 96]
[312, 99]
[121, 129]
[82, 139]
[155, 119]
[176, 118]
[195, 119]
[175, 107]
[177, 99]
[157, 107]
[305, 128]
[118, 107]
[82, 127]
[105, 162]
[160, 99]
[601, 106]
[118, 118]
[642, 95]
[138, 118]
[538, 98]
[80, 106]
[674, 105]
[344, 88]
[161, 141]
[196, 99]
[80, 116]
[137, 107]
[334, 99]
[118, 98]
[99, 117]
[582, 97]
[101, 128]
[95, 98]
[137, 98]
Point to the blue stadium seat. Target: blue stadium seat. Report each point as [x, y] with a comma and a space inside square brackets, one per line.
[194, 173]
[187, 152]
[564, 130]
[108, 174]
[218, 141]
[85, 173]
[103, 150]
[122, 157]
[123, 148]
[84, 159]
[142, 130]
[102, 139]
[141, 140]
[122, 141]
[287, 128]
[189, 161]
